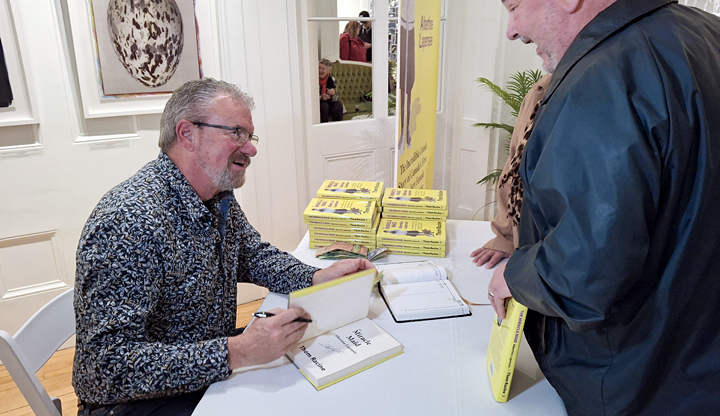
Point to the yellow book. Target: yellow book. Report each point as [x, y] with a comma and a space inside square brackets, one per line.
[351, 190]
[502, 352]
[416, 198]
[315, 241]
[341, 211]
[414, 211]
[340, 341]
[339, 235]
[413, 252]
[346, 228]
[413, 216]
[412, 231]
[422, 248]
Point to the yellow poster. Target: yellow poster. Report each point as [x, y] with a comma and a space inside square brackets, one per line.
[419, 53]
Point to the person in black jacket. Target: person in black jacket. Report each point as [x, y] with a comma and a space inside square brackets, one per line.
[366, 34]
[619, 237]
[331, 109]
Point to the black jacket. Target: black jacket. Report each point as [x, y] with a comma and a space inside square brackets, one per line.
[619, 252]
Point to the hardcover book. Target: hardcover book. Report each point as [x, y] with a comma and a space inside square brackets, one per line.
[414, 232]
[341, 211]
[416, 291]
[340, 341]
[502, 353]
[351, 190]
[415, 198]
[414, 211]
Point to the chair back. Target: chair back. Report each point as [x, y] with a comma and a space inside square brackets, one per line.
[33, 344]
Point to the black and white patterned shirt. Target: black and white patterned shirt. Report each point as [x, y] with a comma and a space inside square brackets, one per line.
[153, 306]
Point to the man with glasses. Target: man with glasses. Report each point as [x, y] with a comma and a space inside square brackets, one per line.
[158, 263]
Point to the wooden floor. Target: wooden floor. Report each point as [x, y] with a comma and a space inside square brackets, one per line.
[56, 376]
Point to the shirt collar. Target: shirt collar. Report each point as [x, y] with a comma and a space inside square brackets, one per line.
[605, 24]
[182, 188]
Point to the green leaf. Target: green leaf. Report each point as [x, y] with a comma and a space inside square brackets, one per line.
[491, 178]
[503, 126]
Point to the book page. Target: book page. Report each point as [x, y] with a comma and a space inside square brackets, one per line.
[335, 303]
[424, 300]
[411, 272]
[345, 351]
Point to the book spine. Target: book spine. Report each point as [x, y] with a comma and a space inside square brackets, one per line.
[513, 354]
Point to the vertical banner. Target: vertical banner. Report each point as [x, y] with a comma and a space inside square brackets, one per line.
[419, 53]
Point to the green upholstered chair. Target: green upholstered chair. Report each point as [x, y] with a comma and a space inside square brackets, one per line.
[354, 80]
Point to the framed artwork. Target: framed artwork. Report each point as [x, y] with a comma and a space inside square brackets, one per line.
[132, 54]
[145, 47]
[15, 79]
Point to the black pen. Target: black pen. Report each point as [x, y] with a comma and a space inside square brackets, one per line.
[269, 314]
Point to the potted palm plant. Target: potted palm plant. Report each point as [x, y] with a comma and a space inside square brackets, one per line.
[519, 85]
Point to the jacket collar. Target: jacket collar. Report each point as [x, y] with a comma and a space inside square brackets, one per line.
[605, 24]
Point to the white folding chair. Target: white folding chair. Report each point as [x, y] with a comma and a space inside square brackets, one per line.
[34, 343]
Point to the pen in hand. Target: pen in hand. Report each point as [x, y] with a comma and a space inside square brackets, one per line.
[269, 314]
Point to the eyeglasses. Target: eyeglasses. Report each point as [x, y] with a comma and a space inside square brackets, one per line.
[241, 135]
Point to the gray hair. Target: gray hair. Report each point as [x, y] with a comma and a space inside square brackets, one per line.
[326, 62]
[192, 101]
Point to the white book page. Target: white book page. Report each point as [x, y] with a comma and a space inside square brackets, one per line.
[335, 303]
[424, 300]
[411, 272]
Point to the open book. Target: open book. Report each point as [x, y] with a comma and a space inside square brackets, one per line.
[502, 353]
[416, 291]
[340, 341]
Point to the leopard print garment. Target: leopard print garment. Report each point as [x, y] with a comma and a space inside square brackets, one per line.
[513, 174]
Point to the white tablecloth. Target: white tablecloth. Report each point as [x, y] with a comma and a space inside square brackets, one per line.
[441, 372]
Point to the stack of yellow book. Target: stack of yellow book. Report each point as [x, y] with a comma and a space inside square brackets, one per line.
[353, 190]
[349, 220]
[413, 221]
[415, 204]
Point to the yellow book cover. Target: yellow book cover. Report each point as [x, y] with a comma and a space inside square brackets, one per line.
[341, 210]
[351, 190]
[412, 231]
[417, 198]
[502, 352]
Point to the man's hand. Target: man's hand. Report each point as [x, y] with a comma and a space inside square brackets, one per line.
[489, 256]
[267, 339]
[341, 268]
[498, 291]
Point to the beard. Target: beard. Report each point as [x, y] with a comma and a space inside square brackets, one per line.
[225, 179]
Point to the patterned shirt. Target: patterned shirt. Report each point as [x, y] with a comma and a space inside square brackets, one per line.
[153, 304]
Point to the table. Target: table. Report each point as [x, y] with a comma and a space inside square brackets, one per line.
[441, 372]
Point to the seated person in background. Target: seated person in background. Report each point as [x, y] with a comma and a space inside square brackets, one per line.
[159, 260]
[330, 106]
[352, 48]
[509, 193]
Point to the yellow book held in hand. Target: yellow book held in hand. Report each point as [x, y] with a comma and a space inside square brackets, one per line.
[502, 352]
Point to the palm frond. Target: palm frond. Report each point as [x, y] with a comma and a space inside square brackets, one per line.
[502, 126]
[491, 178]
[508, 98]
